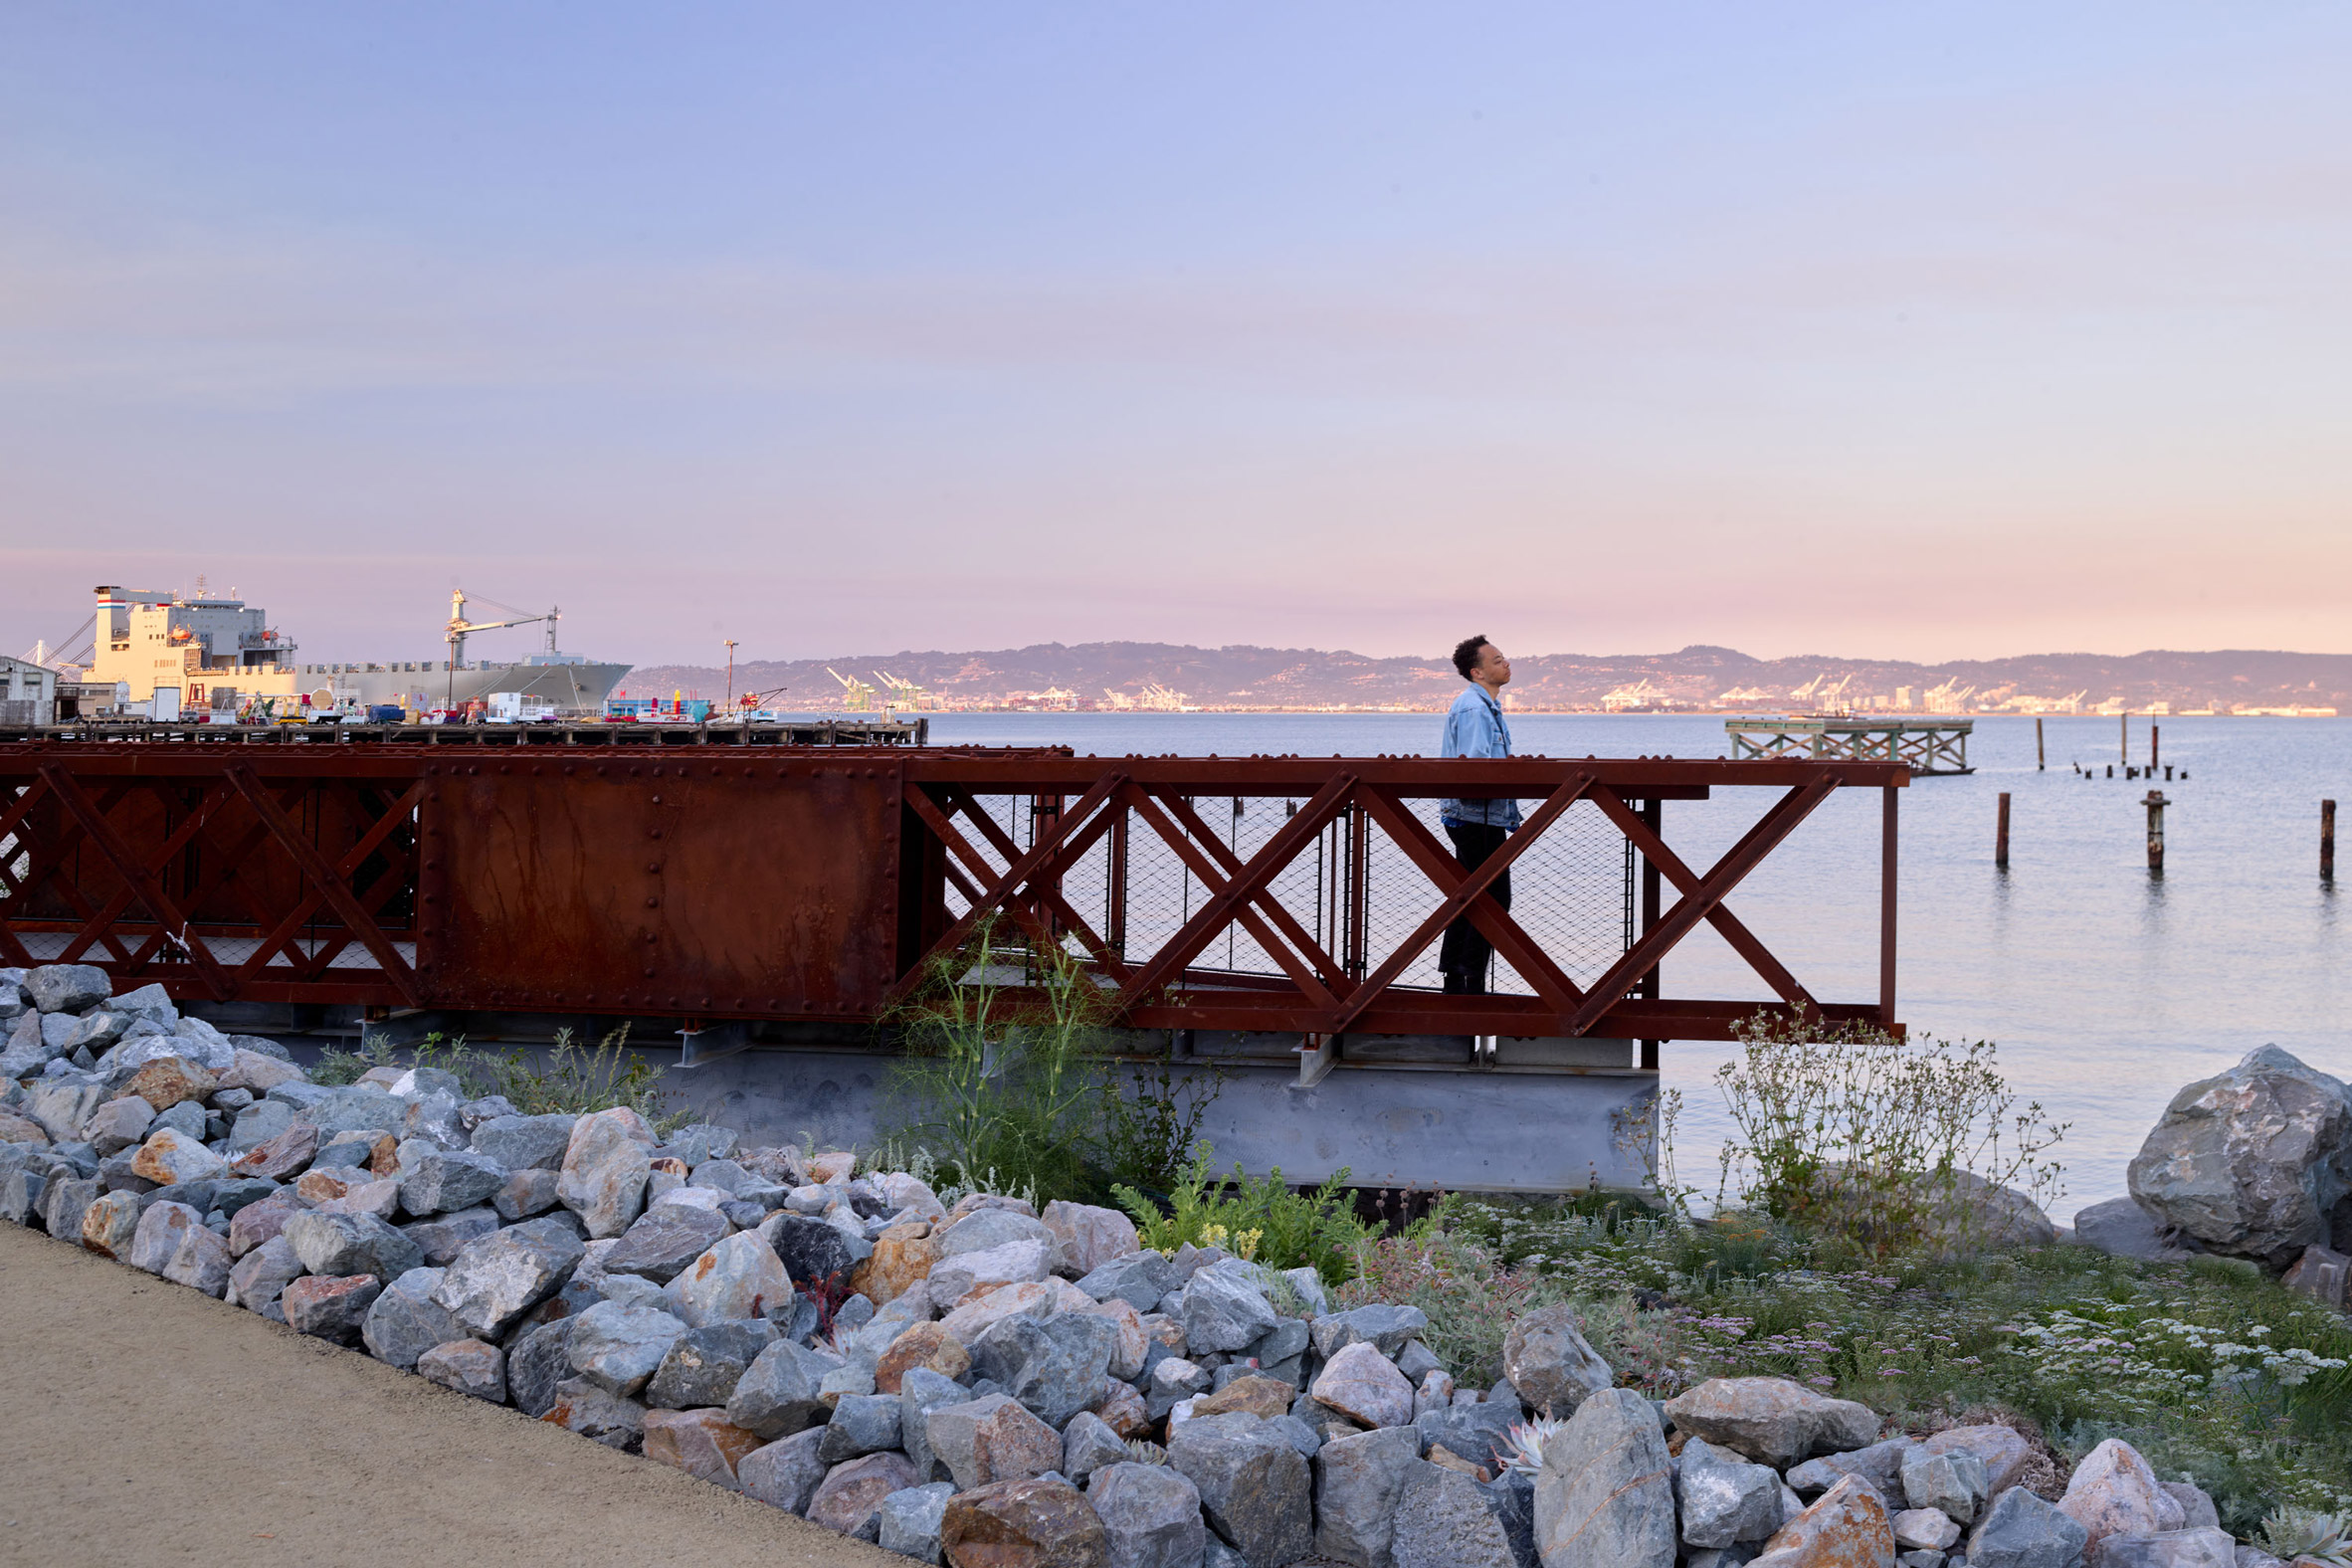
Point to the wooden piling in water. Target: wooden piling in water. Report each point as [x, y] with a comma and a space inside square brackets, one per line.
[2155, 740]
[2001, 835]
[2328, 841]
[2124, 721]
[2156, 803]
[2041, 756]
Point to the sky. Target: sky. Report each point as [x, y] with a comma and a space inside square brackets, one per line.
[1927, 331]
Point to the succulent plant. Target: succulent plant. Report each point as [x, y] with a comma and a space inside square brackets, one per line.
[1145, 1451]
[1521, 1449]
[2302, 1532]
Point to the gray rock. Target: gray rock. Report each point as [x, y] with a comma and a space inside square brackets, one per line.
[63, 1104]
[2197, 1505]
[160, 1228]
[1443, 1521]
[1253, 1484]
[257, 1278]
[63, 1203]
[526, 1193]
[909, 1520]
[524, 1143]
[1724, 1498]
[1880, 1465]
[332, 1308]
[604, 1171]
[442, 1239]
[2252, 1161]
[67, 988]
[1151, 1516]
[988, 1229]
[300, 1093]
[1053, 1367]
[404, 1321]
[861, 1424]
[449, 1180]
[21, 1193]
[849, 1499]
[1415, 1360]
[1925, 1529]
[702, 1141]
[1139, 1279]
[2019, 1530]
[1473, 1432]
[1771, 1419]
[785, 1473]
[2122, 1227]
[351, 1243]
[619, 1348]
[1952, 1483]
[1358, 1482]
[737, 1278]
[1548, 1361]
[663, 1240]
[1604, 1499]
[703, 1368]
[991, 1439]
[920, 1392]
[811, 1250]
[185, 1118]
[359, 1107]
[119, 1124]
[1220, 1312]
[581, 1406]
[778, 1393]
[258, 1123]
[1387, 1327]
[1171, 1381]
[1088, 1445]
[2197, 1548]
[495, 1278]
[201, 1262]
[468, 1367]
[536, 1361]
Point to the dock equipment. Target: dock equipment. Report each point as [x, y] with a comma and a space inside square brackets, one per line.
[1932, 748]
[1279, 915]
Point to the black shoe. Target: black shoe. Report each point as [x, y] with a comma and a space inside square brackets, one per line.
[1457, 983]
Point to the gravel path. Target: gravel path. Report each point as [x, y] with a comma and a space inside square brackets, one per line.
[156, 1425]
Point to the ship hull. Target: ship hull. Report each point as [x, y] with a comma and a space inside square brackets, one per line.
[570, 686]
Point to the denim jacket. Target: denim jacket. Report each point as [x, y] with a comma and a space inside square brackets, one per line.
[1474, 727]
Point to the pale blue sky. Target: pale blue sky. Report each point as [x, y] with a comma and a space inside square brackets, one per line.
[1916, 330]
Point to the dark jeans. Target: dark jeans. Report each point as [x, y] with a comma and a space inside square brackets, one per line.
[1464, 955]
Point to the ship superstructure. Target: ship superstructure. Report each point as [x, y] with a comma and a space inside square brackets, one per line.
[222, 653]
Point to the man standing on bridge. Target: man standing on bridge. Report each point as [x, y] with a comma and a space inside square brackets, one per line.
[1474, 727]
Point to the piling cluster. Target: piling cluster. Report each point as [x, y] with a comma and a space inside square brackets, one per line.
[967, 1383]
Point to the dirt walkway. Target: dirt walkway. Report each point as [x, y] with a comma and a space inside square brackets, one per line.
[150, 1424]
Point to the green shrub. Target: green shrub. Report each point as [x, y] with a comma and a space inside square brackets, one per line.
[1470, 1302]
[1854, 1133]
[1263, 1221]
[569, 1078]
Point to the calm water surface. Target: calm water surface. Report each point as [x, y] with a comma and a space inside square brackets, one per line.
[2105, 989]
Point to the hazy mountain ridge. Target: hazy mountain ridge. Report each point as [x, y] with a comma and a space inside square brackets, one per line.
[1243, 676]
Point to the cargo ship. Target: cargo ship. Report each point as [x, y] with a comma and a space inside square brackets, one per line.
[203, 652]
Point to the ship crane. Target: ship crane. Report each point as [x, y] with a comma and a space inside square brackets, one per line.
[855, 694]
[459, 628]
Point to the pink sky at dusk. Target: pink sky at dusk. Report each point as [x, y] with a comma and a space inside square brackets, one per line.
[1957, 334]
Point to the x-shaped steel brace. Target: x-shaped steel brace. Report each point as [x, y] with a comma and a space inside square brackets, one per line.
[1235, 887]
[1695, 904]
[1465, 893]
[334, 886]
[343, 870]
[143, 879]
[1736, 935]
[1035, 870]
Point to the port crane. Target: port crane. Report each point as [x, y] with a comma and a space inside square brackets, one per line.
[459, 629]
[855, 694]
[904, 694]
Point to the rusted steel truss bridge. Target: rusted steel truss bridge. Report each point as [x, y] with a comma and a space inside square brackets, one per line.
[1294, 898]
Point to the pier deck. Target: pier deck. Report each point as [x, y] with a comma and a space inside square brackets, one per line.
[782, 732]
[1926, 747]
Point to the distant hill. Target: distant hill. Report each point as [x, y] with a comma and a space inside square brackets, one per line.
[1242, 676]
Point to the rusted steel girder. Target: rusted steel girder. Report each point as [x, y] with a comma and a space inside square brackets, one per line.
[811, 883]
